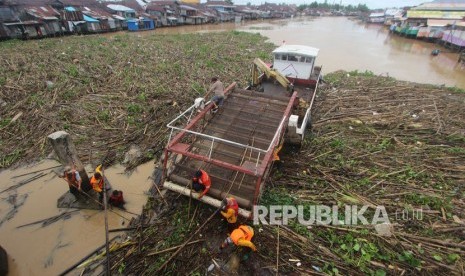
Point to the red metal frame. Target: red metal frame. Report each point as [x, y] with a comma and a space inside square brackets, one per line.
[213, 161]
[266, 161]
[268, 156]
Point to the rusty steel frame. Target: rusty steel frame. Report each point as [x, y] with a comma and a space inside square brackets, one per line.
[175, 146]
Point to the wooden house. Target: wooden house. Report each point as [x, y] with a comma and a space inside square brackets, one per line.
[47, 17]
[190, 15]
[224, 10]
[167, 12]
[122, 11]
[9, 27]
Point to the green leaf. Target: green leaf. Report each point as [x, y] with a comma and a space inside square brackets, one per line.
[437, 258]
[380, 272]
[343, 246]
[452, 257]
[356, 247]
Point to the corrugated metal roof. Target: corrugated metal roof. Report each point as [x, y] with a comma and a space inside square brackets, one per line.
[377, 14]
[187, 7]
[43, 12]
[120, 8]
[442, 6]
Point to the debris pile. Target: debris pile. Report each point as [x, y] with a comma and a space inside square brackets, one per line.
[110, 92]
[375, 142]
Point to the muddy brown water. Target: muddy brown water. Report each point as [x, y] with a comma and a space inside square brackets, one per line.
[49, 250]
[349, 44]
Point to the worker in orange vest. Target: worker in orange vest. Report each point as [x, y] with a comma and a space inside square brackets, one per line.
[230, 211]
[241, 236]
[74, 180]
[201, 181]
[97, 182]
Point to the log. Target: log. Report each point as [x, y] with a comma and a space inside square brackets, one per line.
[206, 199]
[67, 154]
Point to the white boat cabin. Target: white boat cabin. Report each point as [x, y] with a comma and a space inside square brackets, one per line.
[295, 61]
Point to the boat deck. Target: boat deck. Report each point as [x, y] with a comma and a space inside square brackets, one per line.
[234, 146]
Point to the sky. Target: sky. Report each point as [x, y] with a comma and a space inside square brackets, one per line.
[372, 4]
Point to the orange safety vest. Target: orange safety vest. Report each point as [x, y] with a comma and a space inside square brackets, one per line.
[243, 232]
[232, 203]
[205, 179]
[96, 183]
[73, 179]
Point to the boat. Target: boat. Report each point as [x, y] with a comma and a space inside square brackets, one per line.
[238, 144]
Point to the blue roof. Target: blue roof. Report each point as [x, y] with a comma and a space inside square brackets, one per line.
[90, 19]
[71, 9]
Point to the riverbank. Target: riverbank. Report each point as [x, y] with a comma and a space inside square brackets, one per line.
[375, 141]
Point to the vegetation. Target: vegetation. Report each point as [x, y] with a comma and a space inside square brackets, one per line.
[338, 7]
[110, 91]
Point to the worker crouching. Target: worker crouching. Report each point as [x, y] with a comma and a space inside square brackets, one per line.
[242, 236]
[116, 199]
[230, 211]
[201, 182]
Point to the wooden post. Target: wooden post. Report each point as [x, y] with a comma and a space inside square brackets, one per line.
[66, 153]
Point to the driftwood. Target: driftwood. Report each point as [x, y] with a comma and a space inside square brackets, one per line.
[186, 242]
[35, 177]
[36, 171]
[172, 248]
[50, 220]
[85, 258]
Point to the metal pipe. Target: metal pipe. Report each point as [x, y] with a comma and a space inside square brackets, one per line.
[206, 198]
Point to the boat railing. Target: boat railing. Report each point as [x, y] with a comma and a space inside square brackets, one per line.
[308, 112]
[178, 125]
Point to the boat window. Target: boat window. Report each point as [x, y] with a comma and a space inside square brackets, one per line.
[292, 58]
[284, 57]
[309, 60]
[277, 56]
[301, 58]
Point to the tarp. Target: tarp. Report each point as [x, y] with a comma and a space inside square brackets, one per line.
[90, 19]
[71, 9]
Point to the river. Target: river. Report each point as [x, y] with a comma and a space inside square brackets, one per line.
[49, 250]
[348, 44]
